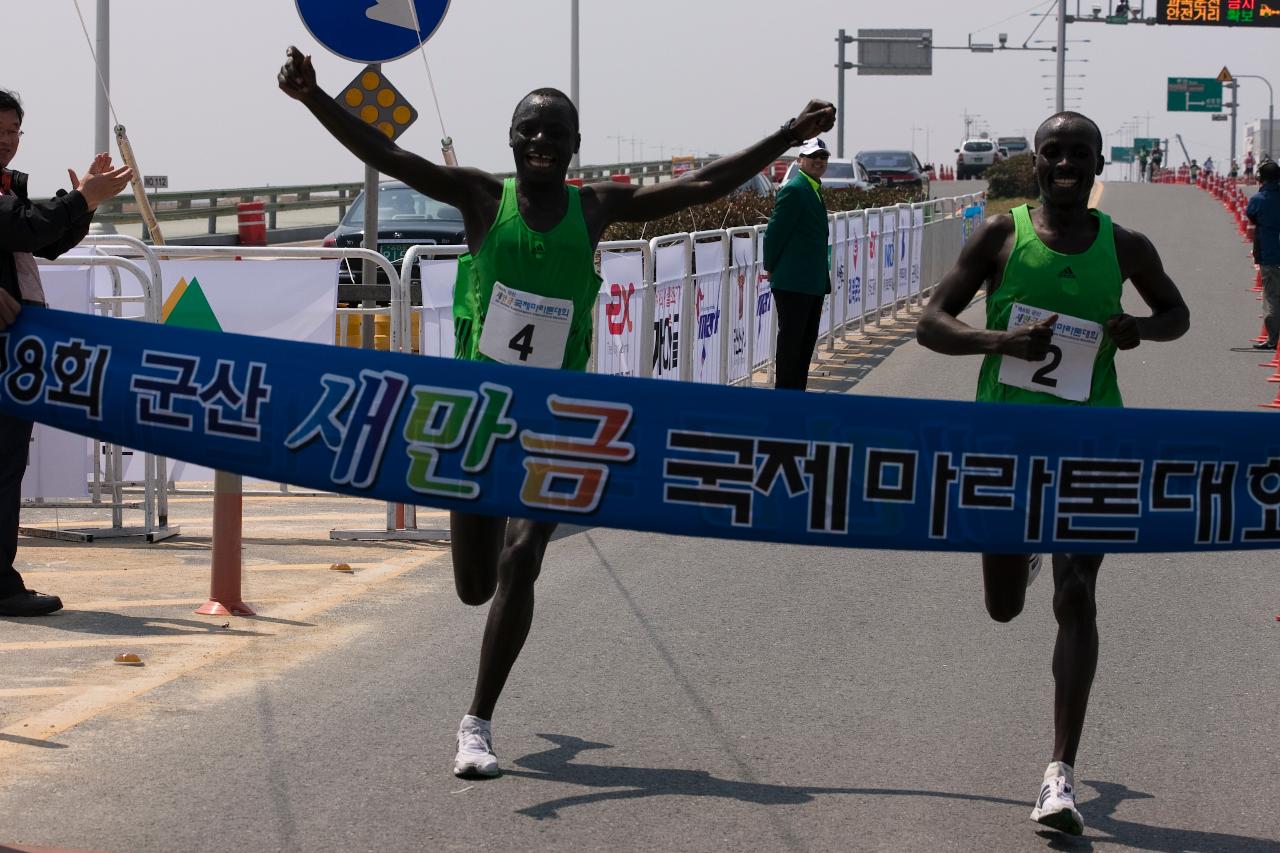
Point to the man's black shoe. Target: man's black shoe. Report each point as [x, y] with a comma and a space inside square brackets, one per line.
[1260, 345]
[29, 603]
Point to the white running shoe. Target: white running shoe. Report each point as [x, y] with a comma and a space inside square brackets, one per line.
[1056, 805]
[1034, 562]
[475, 758]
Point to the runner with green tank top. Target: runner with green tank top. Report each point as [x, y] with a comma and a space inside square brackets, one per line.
[554, 270]
[1084, 291]
[526, 295]
[1054, 321]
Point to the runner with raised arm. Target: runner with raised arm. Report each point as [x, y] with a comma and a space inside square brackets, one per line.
[535, 237]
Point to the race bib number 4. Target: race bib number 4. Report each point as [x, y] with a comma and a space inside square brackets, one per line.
[1067, 371]
[523, 328]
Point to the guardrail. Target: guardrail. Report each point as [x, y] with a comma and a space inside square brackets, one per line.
[214, 203]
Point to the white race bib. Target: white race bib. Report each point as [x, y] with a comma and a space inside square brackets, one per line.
[523, 328]
[1067, 371]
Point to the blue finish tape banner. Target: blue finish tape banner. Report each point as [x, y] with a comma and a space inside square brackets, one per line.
[821, 469]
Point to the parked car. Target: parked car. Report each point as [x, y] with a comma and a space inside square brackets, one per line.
[895, 169]
[757, 184]
[406, 217]
[1014, 145]
[975, 156]
[841, 174]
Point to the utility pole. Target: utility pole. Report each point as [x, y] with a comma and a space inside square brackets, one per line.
[1235, 104]
[617, 139]
[841, 66]
[1062, 55]
[101, 106]
[573, 68]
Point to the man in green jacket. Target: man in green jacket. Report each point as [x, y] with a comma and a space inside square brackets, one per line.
[795, 256]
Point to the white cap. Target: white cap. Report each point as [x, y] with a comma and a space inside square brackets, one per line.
[812, 146]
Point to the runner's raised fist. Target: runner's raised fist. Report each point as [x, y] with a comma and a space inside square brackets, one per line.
[297, 77]
[817, 117]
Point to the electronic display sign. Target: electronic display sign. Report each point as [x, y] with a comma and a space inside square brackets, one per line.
[1219, 13]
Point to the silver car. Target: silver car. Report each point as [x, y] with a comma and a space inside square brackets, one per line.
[841, 174]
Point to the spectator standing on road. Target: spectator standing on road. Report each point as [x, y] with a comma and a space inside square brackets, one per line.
[27, 229]
[1248, 166]
[795, 256]
[1142, 164]
[1068, 262]
[535, 237]
[1264, 212]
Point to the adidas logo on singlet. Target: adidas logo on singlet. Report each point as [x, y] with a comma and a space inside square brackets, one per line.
[1066, 273]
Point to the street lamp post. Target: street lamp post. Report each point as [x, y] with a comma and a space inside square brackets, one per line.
[1062, 54]
[573, 67]
[841, 66]
[1271, 111]
[101, 106]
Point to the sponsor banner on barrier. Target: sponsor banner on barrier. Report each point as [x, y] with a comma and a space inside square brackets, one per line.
[670, 271]
[763, 352]
[60, 463]
[904, 250]
[619, 314]
[742, 292]
[709, 261]
[857, 254]
[681, 458]
[917, 247]
[888, 258]
[871, 280]
[436, 326]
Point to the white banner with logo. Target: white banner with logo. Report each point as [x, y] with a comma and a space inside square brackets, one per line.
[762, 353]
[871, 278]
[742, 301]
[436, 326]
[904, 252]
[917, 247]
[670, 274]
[291, 300]
[856, 273]
[619, 334]
[709, 261]
[60, 463]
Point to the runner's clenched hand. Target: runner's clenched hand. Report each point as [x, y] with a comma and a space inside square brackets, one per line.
[1123, 329]
[817, 117]
[297, 76]
[1030, 342]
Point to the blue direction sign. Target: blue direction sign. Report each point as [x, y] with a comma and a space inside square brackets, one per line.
[372, 30]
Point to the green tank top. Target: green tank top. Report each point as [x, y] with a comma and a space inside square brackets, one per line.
[559, 264]
[1085, 285]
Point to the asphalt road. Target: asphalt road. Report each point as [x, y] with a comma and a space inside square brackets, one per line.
[690, 695]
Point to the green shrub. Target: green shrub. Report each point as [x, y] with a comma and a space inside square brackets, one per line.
[1014, 177]
[749, 209]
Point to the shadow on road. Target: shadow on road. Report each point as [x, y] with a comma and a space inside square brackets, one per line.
[558, 764]
[120, 625]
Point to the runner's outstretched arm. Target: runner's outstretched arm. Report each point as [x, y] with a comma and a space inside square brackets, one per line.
[449, 184]
[627, 203]
[1141, 264]
[940, 328]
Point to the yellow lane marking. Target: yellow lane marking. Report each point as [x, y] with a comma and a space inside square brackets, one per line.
[179, 567]
[157, 602]
[50, 722]
[179, 636]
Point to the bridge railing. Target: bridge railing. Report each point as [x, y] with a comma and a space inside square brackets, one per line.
[214, 203]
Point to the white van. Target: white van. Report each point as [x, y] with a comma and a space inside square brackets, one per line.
[975, 156]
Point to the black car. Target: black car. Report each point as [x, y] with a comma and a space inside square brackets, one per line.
[406, 218]
[895, 169]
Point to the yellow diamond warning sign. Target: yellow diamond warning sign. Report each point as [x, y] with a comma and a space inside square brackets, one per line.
[372, 99]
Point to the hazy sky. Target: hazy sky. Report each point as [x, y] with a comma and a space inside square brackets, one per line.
[194, 82]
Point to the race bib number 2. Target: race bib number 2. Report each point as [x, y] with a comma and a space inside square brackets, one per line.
[524, 328]
[1067, 371]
